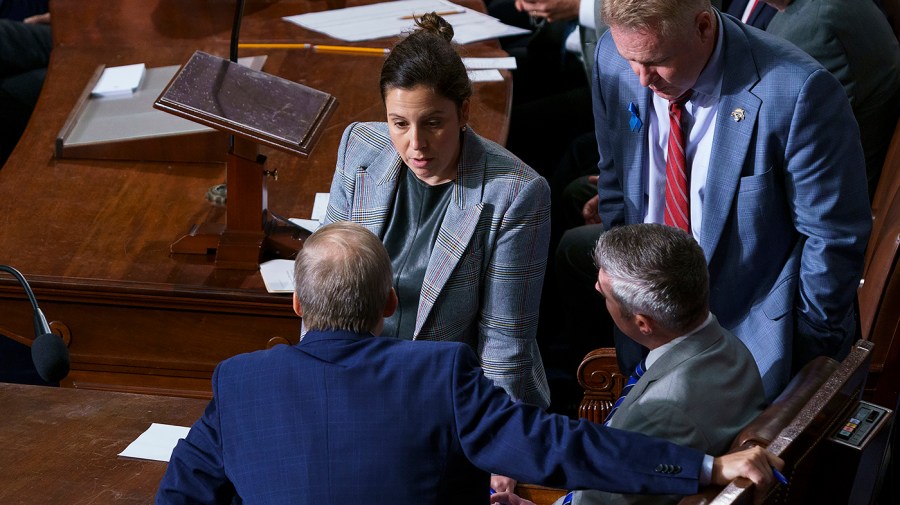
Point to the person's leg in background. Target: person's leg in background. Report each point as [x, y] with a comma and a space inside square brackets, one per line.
[24, 56]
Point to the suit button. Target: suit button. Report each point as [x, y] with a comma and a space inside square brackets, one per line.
[667, 469]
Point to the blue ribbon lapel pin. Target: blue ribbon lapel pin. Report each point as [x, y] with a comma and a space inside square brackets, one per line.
[635, 122]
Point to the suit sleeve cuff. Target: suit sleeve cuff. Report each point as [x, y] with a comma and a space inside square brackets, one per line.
[706, 470]
[586, 14]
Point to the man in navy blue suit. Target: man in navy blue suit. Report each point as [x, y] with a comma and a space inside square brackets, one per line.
[345, 417]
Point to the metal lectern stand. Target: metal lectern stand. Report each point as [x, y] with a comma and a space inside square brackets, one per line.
[256, 108]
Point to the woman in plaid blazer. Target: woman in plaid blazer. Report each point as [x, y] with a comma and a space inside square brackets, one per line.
[482, 260]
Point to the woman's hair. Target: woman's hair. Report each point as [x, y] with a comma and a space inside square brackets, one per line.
[426, 57]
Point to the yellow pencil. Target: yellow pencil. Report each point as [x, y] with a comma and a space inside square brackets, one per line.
[274, 46]
[350, 49]
[444, 13]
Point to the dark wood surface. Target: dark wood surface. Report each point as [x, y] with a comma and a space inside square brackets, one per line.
[93, 236]
[60, 445]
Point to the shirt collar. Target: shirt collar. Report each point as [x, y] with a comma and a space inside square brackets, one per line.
[657, 353]
[709, 83]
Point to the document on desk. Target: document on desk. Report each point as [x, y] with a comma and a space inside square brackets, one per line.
[486, 69]
[485, 75]
[278, 275]
[157, 443]
[120, 81]
[506, 62]
[390, 19]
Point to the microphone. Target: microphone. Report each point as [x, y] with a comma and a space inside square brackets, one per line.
[48, 352]
[236, 29]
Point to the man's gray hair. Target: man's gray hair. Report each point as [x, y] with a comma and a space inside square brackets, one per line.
[655, 270]
[667, 17]
[342, 277]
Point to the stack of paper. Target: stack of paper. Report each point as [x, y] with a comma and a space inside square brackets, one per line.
[486, 69]
[120, 81]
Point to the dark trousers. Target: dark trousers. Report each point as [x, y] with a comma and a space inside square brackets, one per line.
[24, 56]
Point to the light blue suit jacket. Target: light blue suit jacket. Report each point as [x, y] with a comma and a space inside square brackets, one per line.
[785, 211]
[483, 282]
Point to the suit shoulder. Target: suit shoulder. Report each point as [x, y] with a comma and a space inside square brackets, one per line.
[610, 62]
[422, 355]
[365, 140]
[502, 166]
[776, 59]
[250, 363]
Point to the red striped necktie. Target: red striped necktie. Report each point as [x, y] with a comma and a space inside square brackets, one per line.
[678, 210]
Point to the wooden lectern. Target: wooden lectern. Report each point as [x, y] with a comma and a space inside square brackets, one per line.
[256, 108]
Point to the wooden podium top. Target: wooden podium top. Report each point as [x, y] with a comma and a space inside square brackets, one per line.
[93, 236]
[60, 445]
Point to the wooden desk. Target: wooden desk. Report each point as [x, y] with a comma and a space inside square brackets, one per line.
[60, 445]
[93, 236]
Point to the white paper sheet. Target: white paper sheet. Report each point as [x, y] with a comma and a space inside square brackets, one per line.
[310, 225]
[507, 62]
[156, 443]
[320, 206]
[278, 275]
[119, 81]
[485, 75]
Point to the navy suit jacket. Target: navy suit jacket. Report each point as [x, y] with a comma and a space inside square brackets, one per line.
[346, 418]
[786, 212]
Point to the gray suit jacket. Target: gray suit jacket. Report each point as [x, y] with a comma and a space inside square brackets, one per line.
[700, 393]
[786, 212]
[483, 282]
[853, 40]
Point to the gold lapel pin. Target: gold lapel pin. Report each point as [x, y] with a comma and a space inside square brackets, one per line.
[737, 115]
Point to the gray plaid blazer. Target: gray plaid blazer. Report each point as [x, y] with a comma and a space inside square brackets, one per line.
[483, 281]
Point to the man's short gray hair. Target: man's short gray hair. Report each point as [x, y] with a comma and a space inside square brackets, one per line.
[655, 270]
[342, 277]
[667, 17]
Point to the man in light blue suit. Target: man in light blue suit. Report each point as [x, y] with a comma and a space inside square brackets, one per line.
[776, 175]
[345, 417]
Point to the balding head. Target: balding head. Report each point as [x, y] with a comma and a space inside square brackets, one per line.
[342, 279]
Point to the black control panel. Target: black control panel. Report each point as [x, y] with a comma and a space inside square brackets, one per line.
[860, 424]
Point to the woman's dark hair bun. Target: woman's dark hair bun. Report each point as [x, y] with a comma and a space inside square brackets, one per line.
[434, 23]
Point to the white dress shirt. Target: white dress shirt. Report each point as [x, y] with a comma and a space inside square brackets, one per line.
[699, 123]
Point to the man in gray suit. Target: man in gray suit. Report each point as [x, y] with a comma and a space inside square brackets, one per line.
[699, 385]
[853, 40]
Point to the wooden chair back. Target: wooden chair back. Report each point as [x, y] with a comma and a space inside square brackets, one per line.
[879, 290]
[602, 382]
[802, 439]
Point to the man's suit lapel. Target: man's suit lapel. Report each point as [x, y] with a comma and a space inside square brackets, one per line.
[375, 188]
[735, 129]
[671, 360]
[633, 185]
[457, 227]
